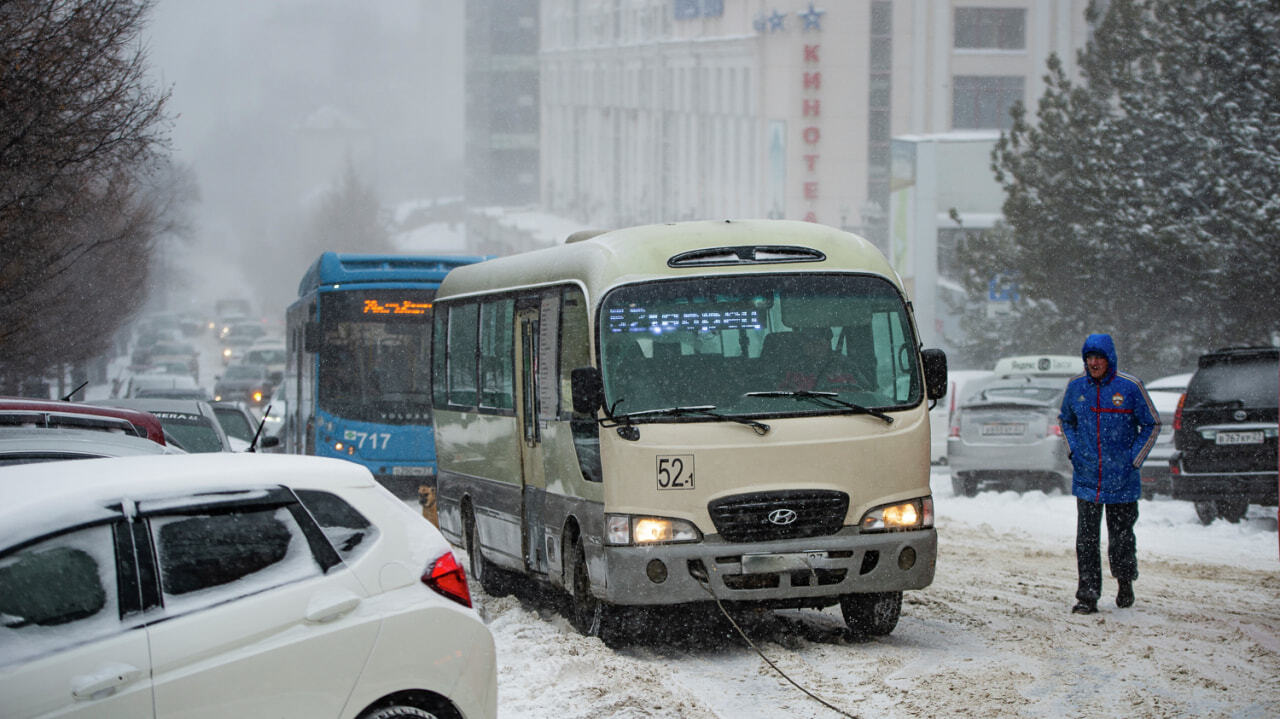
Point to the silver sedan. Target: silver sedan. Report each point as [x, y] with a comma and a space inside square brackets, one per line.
[1005, 434]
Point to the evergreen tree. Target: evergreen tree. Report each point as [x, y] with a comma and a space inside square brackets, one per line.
[1143, 201]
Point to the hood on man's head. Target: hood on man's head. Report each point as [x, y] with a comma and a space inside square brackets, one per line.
[1101, 342]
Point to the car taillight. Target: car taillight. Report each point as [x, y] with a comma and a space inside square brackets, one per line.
[1177, 414]
[446, 577]
[1055, 429]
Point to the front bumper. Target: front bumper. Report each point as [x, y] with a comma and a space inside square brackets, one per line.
[798, 572]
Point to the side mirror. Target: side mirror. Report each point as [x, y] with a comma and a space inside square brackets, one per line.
[935, 373]
[588, 389]
[268, 442]
[311, 336]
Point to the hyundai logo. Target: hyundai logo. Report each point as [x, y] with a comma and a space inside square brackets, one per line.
[1239, 415]
[783, 517]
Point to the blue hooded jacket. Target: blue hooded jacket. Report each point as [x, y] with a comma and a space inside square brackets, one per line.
[1110, 425]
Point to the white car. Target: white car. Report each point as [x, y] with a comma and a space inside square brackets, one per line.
[23, 445]
[1164, 393]
[230, 585]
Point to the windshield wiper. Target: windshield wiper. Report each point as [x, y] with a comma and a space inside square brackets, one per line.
[825, 399]
[1217, 403]
[704, 410]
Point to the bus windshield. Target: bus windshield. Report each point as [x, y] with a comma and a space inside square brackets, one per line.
[761, 344]
[375, 356]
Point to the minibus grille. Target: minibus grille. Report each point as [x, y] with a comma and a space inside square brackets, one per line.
[764, 516]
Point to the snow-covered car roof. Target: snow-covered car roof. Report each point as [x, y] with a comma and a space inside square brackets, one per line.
[1172, 383]
[165, 380]
[62, 443]
[33, 496]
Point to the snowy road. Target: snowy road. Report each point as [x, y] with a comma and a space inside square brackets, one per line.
[992, 636]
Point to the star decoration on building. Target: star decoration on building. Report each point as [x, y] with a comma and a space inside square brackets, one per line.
[777, 21]
[761, 23]
[812, 18]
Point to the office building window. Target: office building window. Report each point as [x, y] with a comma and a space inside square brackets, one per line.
[986, 28]
[983, 101]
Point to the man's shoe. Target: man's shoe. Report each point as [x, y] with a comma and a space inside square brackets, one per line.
[1124, 597]
[1083, 607]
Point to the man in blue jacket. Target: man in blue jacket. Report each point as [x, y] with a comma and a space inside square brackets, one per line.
[1110, 425]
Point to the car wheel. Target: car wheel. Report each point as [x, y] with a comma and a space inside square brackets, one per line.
[964, 485]
[1207, 511]
[1233, 510]
[871, 615]
[491, 578]
[400, 712]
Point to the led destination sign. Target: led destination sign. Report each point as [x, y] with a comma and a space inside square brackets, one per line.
[403, 307]
[639, 319]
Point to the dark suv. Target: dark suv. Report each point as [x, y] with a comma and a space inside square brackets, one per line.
[1225, 433]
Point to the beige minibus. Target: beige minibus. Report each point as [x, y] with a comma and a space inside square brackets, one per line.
[729, 411]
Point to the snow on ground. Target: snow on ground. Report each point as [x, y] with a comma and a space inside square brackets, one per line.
[993, 635]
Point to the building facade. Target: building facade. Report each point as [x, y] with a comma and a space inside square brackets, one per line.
[661, 110]
[502, 102]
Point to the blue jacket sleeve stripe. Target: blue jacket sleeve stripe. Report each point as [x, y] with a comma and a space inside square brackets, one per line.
[1148, 421]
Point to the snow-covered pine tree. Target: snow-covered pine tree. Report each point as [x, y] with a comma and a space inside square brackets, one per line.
[1143, 200]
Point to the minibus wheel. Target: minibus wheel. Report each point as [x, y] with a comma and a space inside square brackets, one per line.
[874, 614]
[490, 577]
[588, 614]
[584, 608]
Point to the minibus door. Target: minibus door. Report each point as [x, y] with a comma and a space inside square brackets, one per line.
[533, 490]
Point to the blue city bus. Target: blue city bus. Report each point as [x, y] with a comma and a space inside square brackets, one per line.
[358, 376]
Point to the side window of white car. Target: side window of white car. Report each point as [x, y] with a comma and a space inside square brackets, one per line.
[345, 528]
[207, 558]
[58, 592]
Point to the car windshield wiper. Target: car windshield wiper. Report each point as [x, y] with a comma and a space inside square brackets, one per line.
[825, 399]
[705, 410]
[1212, 403]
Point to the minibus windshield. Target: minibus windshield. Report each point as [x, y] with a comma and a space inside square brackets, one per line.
[752, 344]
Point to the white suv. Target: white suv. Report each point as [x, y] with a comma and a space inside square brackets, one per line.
[230, 585]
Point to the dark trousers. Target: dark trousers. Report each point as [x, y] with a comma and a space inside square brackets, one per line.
[1122, 547]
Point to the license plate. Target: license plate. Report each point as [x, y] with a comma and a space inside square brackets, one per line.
[1004, 429]
[411, 471]
[1239, 438]
[773, 563]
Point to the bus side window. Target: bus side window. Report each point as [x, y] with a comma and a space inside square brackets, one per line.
[575, 343]
[497, 381]
[575, 351]
[460, 355]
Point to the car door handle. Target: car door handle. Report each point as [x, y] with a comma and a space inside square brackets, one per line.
[105, 681]
[330, 606]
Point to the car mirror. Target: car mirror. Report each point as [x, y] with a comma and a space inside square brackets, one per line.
[935, 373]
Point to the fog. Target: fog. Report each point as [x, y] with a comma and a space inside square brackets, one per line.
[271, 100]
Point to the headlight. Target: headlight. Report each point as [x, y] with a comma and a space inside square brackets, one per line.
[915, 514]
[625, 529]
